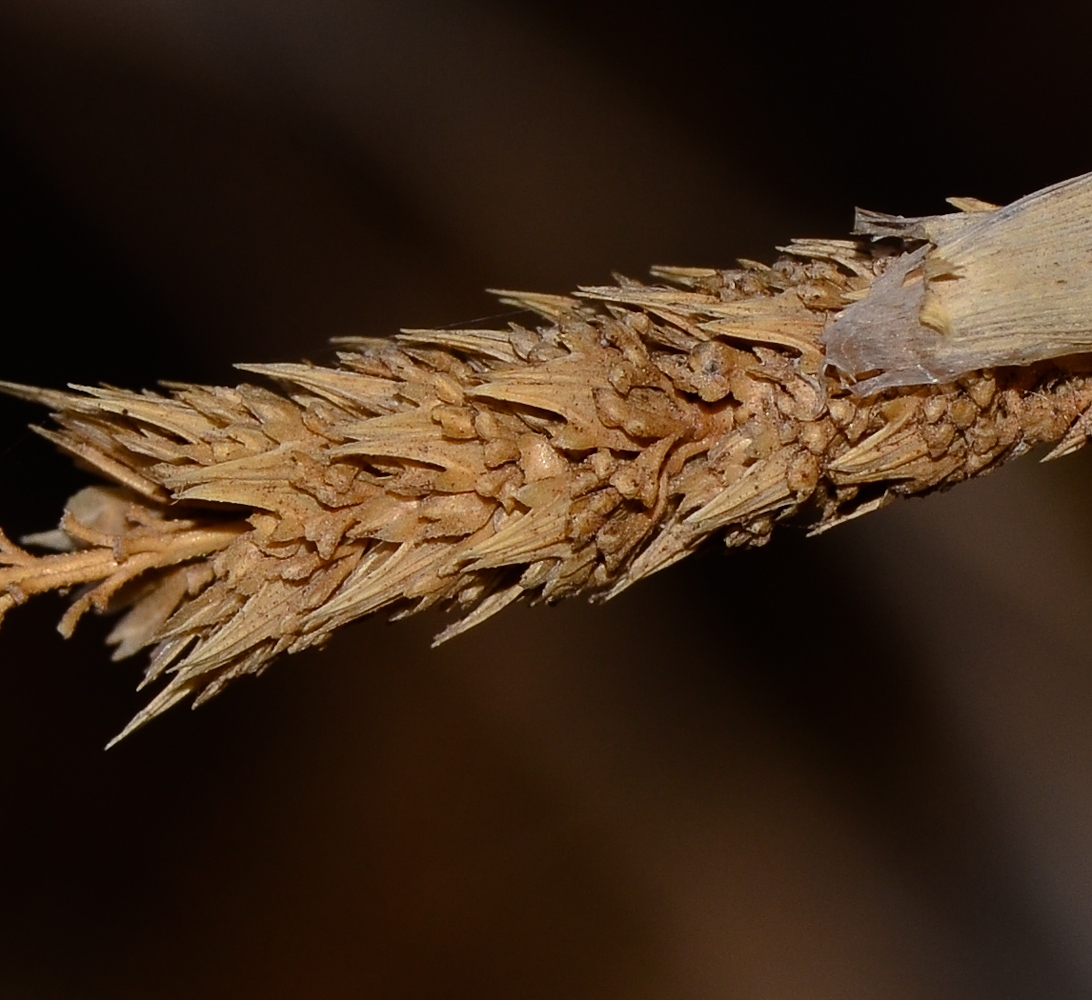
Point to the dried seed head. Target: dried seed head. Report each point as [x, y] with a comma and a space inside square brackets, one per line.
[471, 468]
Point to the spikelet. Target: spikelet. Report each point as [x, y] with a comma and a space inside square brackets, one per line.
[472, 468]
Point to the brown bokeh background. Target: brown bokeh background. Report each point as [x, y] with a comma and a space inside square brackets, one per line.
[854, 766]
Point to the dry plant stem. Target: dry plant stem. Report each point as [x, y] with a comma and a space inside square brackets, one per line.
[471, 468]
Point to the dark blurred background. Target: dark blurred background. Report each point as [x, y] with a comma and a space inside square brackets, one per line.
[854, 766]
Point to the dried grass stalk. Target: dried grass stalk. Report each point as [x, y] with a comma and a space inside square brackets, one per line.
[471, 468]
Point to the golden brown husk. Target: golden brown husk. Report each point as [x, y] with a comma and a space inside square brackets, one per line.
[471, 468]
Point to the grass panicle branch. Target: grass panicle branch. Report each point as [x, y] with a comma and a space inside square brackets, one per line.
[572, 454]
